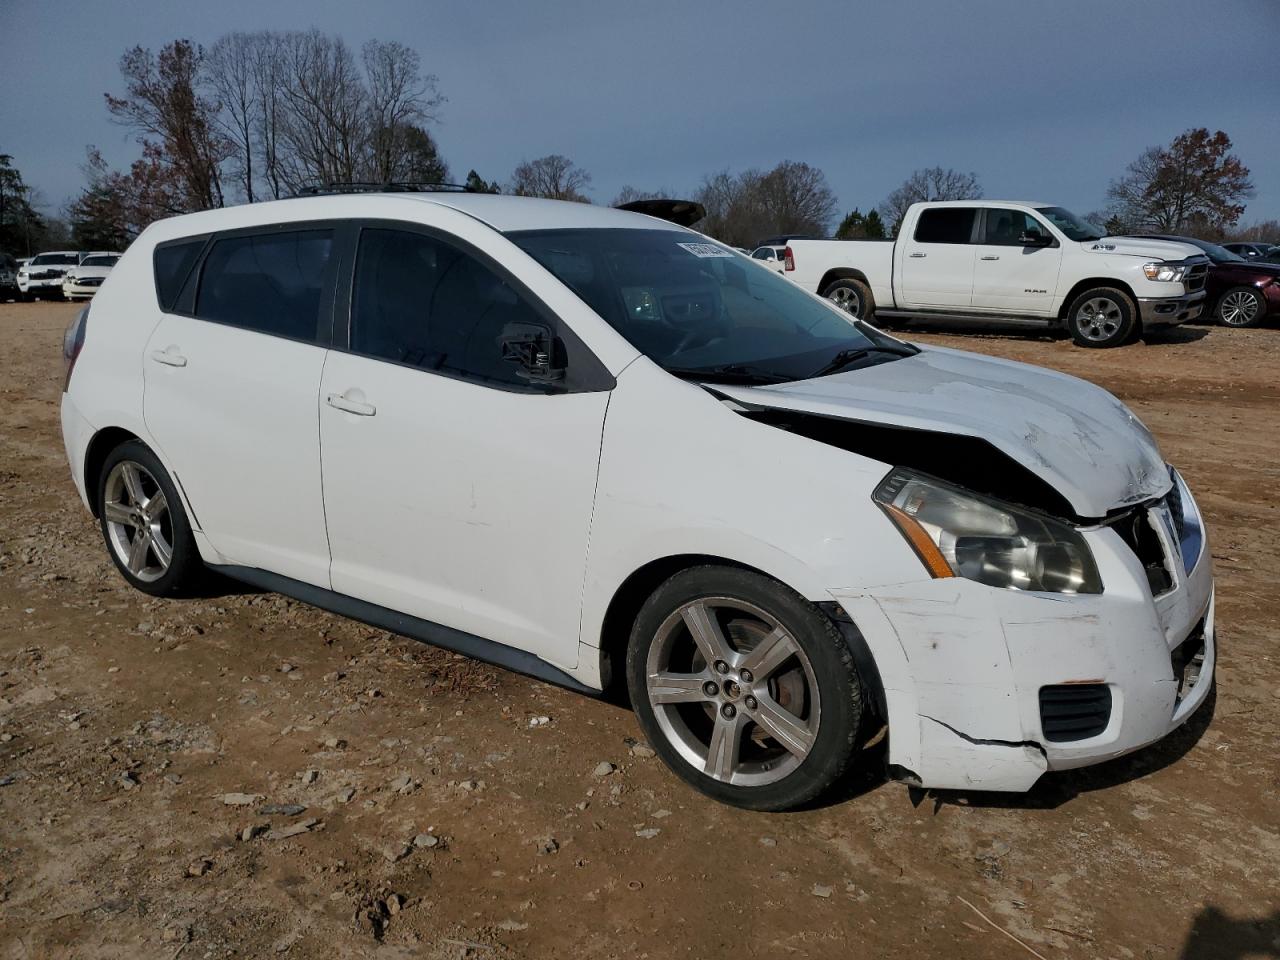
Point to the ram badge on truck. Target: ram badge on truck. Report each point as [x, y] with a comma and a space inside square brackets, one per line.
[998, 261]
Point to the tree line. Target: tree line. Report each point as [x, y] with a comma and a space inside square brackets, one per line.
[261, 115]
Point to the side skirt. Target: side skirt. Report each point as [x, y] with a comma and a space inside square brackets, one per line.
[1041, 322]
[438, 635]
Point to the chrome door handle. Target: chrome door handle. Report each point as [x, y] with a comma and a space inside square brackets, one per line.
[170, 357]
[990, 258]
[358, 407]
[917, 255]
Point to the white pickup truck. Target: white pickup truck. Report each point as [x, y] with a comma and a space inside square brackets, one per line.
[1008, 262]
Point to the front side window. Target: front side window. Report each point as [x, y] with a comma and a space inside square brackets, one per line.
[946, 225]
[424, 303]
[268, 282]
[696, 307]
[1005, 228]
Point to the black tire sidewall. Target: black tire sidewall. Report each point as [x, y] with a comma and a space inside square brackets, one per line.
[185, 566]
[1130, 327]
[1255, 322]
[839, 688]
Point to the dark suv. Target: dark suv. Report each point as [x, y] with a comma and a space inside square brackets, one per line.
[1242, 293]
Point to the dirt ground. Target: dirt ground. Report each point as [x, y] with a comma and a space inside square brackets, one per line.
[129, 725]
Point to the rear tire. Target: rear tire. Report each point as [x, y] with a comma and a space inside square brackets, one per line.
[747, 690]
[144, 524]
[853, 297]
[1103, 317]
[1241, 307]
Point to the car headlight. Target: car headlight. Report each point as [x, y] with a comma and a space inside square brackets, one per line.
[1167, 272]
[958, 533]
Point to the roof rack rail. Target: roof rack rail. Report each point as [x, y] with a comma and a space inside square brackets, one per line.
[362, 186]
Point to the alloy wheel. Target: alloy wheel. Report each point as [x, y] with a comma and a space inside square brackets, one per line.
[733, 691]
[138, 522]
[1239, 308]
[1099, 319]
[847, 299]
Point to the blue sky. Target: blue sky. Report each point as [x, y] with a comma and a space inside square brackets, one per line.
[1043, 100]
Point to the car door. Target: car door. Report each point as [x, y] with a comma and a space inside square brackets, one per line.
[457, 489]
[232, 376]
[1010, 275]
[936, 261]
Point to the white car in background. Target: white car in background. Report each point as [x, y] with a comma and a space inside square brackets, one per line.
[420, 410]
[774, 257]
[83, 280]
[42, 275]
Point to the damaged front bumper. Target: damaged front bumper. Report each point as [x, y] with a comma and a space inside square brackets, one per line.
[986, 689]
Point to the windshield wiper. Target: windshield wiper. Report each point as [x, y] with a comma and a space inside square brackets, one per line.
[851, 356]
[730, 373]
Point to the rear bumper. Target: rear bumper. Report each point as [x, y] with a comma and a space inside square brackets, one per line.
[1170, 311]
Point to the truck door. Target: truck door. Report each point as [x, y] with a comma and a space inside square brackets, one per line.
[935, 266]
[1016, 271]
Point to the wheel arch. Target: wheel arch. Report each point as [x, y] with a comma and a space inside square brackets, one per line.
[100, 445]
[841, 273]
[630, 595]
[1089, 283]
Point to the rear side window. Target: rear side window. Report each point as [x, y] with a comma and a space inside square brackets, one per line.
[424, 303]
[270, 283]
[172, 262]
[946, 225]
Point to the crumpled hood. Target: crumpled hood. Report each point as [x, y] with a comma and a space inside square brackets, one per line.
[1075, 436]
[1139, 247]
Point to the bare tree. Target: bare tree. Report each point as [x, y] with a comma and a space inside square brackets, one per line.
[268, 79]
[1195, 184]
[554, 177]
[162, 101]
[931, 183]
[745, 208]
[230, 76]
[401, 100]
[326, 123]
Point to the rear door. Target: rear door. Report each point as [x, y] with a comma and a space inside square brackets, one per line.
[232, 375]
[1010, 276]
[936, 261]
[457, 490]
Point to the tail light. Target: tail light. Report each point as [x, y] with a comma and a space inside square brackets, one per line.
[73, 343]
[790, 259]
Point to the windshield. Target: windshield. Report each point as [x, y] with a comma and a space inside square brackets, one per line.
[103, 261]
[1066, 221]
[56, 259]
[692, 305]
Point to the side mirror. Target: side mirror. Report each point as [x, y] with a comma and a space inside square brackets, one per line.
[1034, 238]
[536, 349]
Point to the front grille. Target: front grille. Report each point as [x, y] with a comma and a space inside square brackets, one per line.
[1074, 711]
[1196, 276]
[1139, 534]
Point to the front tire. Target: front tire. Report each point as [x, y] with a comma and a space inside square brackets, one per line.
[853, 297]
[144, 524]
[746, 689]
[1103, 317]
[1241, 307]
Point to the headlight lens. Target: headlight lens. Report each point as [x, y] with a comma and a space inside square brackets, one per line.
[958, 533]
[1168, 272]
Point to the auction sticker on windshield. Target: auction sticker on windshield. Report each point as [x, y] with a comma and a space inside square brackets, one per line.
[705, 250]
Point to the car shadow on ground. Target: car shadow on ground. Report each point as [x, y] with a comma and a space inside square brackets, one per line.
[1057, 788]
[1172, 336]
[1215, 935]
[1162, 337]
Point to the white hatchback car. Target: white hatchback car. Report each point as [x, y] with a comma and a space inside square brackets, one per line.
[587, 444]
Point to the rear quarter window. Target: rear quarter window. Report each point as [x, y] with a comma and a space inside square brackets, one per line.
[172, 263]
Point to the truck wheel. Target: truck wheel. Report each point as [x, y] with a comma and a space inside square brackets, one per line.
[853, 297]
[1241, 307]
[1103, 317]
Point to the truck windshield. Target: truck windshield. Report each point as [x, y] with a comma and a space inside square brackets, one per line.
[697, 307]
[1066, 221]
